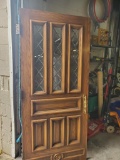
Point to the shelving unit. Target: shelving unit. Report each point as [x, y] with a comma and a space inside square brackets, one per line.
[101, 63]
[105, 59]
[99, 46]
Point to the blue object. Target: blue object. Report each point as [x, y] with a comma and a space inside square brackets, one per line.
[115, 106]
[19, 75]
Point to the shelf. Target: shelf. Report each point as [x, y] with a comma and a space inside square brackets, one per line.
[100, 60]
[100, 46]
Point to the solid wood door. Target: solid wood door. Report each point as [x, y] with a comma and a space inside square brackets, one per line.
[54, 81]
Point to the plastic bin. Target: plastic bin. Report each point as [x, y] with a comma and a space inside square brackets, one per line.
[92, 103]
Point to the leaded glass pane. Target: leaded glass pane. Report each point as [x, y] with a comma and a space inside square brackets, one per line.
[38, 57]
[74, 55]
[57, 58]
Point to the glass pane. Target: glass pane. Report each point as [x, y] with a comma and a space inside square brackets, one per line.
[57, 58]
[38, 57]
[74, 55]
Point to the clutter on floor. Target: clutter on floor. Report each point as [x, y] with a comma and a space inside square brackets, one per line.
[104, 78]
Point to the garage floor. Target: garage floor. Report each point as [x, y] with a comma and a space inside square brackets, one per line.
[104, 147]
[101, 147]
[6, 157]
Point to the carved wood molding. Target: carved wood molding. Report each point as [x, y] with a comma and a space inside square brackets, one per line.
[58, 156]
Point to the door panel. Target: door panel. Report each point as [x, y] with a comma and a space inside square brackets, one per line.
[57, 135]
[57, 57]
[73, 129]
[39, 56]
[39, 135]
[75, 58]
[54, 54]
[69, 155]
[48, 106]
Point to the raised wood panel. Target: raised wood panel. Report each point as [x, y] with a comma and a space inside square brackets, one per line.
[75, 44]
[57, 132]
[57, 58]
[39, 57]
[73, 129]
[39, 135]
[56, 105]
[74, 153]
[68, 155]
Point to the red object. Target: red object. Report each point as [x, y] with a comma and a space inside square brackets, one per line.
[108, 82]
[109, 10]
[94, 127]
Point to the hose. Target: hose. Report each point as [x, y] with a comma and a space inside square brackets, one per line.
[92, 11]
[19, 77]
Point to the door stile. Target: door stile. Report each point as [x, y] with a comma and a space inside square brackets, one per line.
[85, 78]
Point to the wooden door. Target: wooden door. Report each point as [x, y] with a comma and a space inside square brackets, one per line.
[54, 82]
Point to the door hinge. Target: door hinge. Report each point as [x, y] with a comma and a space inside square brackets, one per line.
[84, 104]
[17, 28]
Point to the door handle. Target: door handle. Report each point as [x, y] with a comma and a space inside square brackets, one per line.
[84, 104]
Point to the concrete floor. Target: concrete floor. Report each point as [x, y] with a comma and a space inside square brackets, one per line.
[104, 147]
[6, 157]
[101, 147]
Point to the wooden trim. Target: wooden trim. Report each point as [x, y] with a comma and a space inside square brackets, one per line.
[64, 154]
[80, 27]
[44, 23]
[69, 48]
[63, 25]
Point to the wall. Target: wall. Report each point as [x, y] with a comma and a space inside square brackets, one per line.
[36, 4]
[5, 108]
[76, 7]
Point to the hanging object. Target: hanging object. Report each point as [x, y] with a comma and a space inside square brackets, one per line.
[92, 12]
[103, 37]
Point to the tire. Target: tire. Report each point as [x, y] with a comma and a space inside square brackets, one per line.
[110, 129]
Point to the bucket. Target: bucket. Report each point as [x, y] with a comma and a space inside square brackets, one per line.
[92, 103]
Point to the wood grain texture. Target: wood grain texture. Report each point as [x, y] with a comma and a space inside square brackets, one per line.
[48, 106]
[39, 135]
[41, 107]
[73, 129]
[57, 129]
